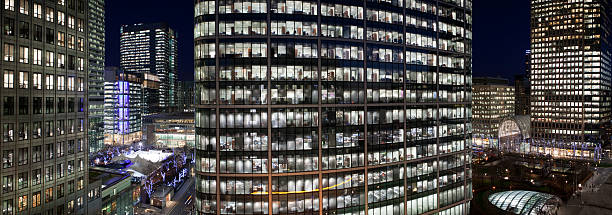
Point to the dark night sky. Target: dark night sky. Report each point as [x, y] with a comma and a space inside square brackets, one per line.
[500, 32]
[501, 36]
[178, 14]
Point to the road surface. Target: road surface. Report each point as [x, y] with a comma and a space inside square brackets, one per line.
[187, 191]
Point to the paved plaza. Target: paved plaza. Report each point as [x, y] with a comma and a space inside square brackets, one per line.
[595, 197]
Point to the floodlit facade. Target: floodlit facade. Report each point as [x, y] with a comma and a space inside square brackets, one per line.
[492, 101]
[151, 49]
[174, 130]
[122, 107]
[43, 116]
[96, 43]
[570, 74]
[333, 107]
[514, 133]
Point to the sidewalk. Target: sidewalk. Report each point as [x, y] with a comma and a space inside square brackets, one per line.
[594, 198]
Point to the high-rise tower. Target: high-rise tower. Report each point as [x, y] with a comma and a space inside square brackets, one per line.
[96, 39]
[570, 73]
[333, 107]
[151, 50]
[43, 118]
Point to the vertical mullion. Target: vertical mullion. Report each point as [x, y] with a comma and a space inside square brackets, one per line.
[217, 111]
[320, 141]
[365, 104]
[405, 74]
[269, 102]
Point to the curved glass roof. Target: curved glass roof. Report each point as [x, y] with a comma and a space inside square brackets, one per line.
[523, 202]
[515, 125]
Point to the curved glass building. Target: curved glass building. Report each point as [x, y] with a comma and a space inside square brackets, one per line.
[525, 202]
[333, 106]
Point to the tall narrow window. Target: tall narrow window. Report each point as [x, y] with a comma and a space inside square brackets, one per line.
[37, 57]
[23, 80]
[9, 5]
[61, 18]
[70, 83]
[49, 82]
[50, 14]
[61, 61]
[8, 79]
[9, 52]
[37, 81]
[9, 26]
[24, 104]
[24, 7]
[24, 54]
[49, 58]
[24, 30]
[38, 11]
[61, 82]
[61, 38]
[80, 85]
[81, 25]
[81, 44]
[71, 41]
[38, 33]
[71, 22]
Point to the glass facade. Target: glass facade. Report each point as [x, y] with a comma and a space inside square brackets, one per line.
[333, 107]
[151, 50]
[570, 74]
[96, 75]
[525, 202]
[122, 107]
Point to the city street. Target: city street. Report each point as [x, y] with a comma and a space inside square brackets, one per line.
[180, 198]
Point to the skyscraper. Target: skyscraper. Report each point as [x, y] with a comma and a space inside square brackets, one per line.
[570, 73]
[151, 49]
[333, 107]
[96, 43]
[44, 107]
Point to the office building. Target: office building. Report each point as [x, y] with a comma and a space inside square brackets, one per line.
[527, 63]
[151, 49]
[185, 96]
[115, 189]
[122, 107]
[333, 107]
[492, 102]
[570, 75]
[96, 43]
[522, 91]
[169, 130]
[44, 107]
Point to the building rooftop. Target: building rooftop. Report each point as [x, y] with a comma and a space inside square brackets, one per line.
[168, 116]
[489, 81]
[109, 177]
[144, 163]
[524, 202]
[516, 125]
